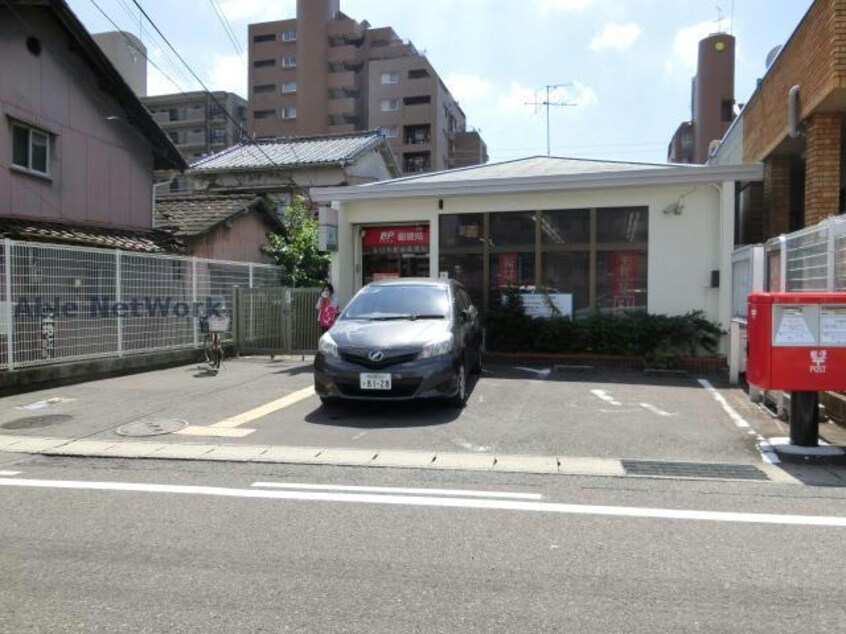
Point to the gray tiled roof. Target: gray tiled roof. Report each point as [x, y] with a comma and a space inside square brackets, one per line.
[533, 166]
[291, 152]
[189, 216]
[149, 241]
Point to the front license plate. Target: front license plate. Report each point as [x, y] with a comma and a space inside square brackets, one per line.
[370, 381]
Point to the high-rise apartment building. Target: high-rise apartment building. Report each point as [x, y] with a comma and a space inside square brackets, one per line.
[324, 72]
[200, 123]
[712, 102]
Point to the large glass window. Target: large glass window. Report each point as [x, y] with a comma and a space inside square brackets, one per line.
[569, 272]
[512, 270]
[571, 226]
[625, 224]
[513, 228]
[467, 269]
[621, 281]
[462, 230]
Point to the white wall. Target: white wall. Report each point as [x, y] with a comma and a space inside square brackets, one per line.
[683, 249]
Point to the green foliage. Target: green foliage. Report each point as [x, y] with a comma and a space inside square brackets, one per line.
[295, 248]
[660, 339]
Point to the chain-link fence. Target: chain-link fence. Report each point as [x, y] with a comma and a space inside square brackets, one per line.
[276, 320]
[63, 303]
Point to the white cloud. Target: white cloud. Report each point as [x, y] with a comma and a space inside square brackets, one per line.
[563, 5]
[618, 36]
[686, 46]
[582, 95]
[518, 99]
[229, 73]
[467, 88]
[259, 10]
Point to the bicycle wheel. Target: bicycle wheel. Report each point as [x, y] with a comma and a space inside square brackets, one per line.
[218, 356]
[208, 349]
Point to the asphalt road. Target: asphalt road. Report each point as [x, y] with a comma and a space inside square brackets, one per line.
[210, 560]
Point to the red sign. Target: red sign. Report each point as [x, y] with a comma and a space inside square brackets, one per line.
[508, 271]
[399, 236]
[624, 271]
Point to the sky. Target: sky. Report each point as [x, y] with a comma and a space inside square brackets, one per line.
[624, 67]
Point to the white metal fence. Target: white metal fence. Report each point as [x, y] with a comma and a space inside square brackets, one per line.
[813, 259]
[61, 303]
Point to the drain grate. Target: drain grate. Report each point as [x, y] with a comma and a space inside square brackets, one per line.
[693, 470]
[34, 422]
[151, 427]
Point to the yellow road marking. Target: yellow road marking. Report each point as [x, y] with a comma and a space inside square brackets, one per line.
[264, 410]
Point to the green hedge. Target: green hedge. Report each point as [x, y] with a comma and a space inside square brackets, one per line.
[659, 339]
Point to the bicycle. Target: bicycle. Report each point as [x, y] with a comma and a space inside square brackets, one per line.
[213, 326]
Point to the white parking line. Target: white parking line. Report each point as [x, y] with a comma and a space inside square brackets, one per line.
[655, 410]
[409, 491]
[9, 473]
[605, 396]
[831, 521]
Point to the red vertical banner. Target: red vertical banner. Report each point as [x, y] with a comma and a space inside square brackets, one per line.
[508, 271]
[624, 272]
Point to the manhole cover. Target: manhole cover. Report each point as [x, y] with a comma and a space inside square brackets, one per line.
[149, 427]
[694, 470]
[33, 422]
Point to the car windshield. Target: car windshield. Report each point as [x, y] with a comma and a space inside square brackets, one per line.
[399, 302]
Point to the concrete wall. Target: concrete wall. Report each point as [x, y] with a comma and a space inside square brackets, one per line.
[683, 249]
[241, 243]
[101, 171]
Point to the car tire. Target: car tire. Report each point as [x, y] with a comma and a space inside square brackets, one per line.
[460, 399]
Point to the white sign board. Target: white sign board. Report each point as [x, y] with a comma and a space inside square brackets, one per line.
[833, 326]
[793, 330]
[537, 305]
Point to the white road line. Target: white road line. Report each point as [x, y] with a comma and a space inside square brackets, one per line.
[605, 396]
[470, 446]
[9, 473]
[405, 490]
[655, 410]
[467, 503]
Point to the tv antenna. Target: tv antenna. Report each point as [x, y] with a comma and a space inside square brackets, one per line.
[720, 18]
[547, 104]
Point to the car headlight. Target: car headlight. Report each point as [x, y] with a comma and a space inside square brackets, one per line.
[437, 347]
[327, 346]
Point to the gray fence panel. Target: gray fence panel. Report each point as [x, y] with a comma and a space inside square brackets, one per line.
[277, 321]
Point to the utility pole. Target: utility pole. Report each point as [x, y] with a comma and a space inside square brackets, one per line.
[547, 103]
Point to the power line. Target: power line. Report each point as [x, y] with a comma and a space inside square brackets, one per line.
[227, 27]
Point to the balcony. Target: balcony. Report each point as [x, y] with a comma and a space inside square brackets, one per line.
[342, 106]
[345, 79]
[343, 54]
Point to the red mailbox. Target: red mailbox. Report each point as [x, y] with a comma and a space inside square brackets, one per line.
[797, 341]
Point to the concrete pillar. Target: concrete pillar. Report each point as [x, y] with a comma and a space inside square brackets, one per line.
[822, 170]
[776, 196]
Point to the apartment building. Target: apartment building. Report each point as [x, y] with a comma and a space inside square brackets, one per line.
[197, 122]
[324, 72]
[711, 102]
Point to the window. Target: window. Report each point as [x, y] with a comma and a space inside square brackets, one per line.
[626, 224]
[389, 105]
[461, 230]
[289, 61]
[391, 132]
[216, 110]
[218, 135]
[565, 227]
[390, 78]
[263, 114]
[513, 228]
[174, 114]
[289, 112]
[420, 73]
[264, 88]
[264, 63]
[289, 36]
[30, 149]
[173, 136]
[289, 86]
[270, 37]
[621, 281]
[416, 101]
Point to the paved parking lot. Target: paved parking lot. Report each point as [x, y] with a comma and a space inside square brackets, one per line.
[512, 410]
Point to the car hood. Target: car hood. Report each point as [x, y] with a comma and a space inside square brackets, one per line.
[383, 335]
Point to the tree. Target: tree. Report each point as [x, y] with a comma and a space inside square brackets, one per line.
[295, 248]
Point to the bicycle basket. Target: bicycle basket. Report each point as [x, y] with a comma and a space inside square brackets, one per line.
[218, 323]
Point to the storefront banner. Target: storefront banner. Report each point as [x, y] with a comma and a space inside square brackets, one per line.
[400, 236]
[624, 272]
[508, 271]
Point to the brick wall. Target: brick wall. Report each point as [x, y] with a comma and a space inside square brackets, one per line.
[776, 196]
[815, 59]
[822, 160]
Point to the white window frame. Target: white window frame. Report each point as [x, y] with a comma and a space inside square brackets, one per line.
[289, 61]
[289, 86]
[289, 36]
[385, 105]
[289, 112]
[391, 77]
[391, 132]
[30, 133]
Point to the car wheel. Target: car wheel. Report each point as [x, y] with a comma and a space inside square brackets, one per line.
[460, 398]
[328, 401]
